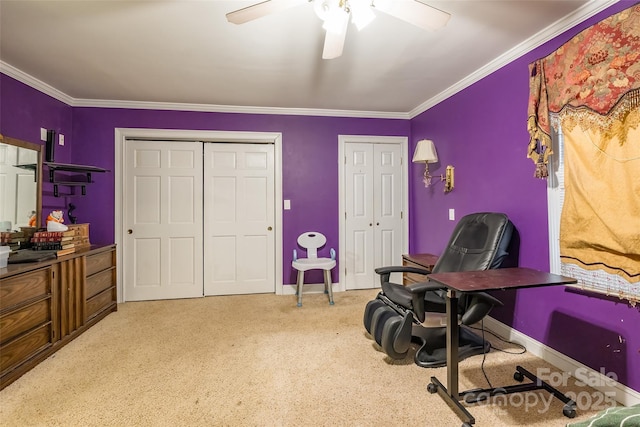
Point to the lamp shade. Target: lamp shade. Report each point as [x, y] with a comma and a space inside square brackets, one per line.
[425, 152]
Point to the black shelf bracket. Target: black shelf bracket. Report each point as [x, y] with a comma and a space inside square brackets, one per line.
[84, 170]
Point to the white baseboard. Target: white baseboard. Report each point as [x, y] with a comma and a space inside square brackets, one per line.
[308, 288]
[621, 393]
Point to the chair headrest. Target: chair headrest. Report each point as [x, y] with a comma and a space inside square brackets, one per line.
[312, 239]
[478, 242]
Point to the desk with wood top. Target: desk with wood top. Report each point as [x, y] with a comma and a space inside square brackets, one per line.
[480, 281]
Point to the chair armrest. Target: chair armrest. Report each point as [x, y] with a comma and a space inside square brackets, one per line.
[418, 291]
[478, 305]
[422, 288]
[385, 272]
[401, 269]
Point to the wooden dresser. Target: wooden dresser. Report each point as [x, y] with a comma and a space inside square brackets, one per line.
[46, 304]
[426, 261]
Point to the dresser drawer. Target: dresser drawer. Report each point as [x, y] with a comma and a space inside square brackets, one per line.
[25, 319]
[45, 305]
[99, 282]
[24, 287]
[99, 262]
[99, 302]
[20, 349]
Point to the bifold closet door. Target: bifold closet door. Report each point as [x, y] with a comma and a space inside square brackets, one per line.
[373, 218]
[239, 217]
[162, 246]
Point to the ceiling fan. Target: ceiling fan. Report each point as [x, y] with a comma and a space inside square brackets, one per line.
[335, 15]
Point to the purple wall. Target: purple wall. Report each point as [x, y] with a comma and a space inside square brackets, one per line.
[482, 132]
[309, 157]
[23, 111]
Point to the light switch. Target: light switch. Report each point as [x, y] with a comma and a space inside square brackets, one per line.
[43, 134]
[452, 214]
[287, 205]
[60, 139]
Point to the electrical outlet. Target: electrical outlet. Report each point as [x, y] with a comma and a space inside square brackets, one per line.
[60, 139]
[452, 214]
[43, 134]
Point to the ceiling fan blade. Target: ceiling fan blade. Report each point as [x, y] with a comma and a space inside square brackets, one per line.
[259, 10]
[334, 42]
[414, 12]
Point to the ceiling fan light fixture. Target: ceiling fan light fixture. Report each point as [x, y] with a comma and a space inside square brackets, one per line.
[322, 8]
[336, 20]
[361, 13]
[335, 16]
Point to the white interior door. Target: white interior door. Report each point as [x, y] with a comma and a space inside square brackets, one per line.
[387, 201]
[163, 218]
[360, 250]
[374, 201]
[239, 247]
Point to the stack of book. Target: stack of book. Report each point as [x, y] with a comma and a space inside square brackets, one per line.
[13, 239]
[17, 239]
[81, 235]
[60, 241]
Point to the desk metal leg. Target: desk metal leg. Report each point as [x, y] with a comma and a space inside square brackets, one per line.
[450, 393]
[478, 395]
[453, 333]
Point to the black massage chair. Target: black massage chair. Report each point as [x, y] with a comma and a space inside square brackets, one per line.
[400, 315]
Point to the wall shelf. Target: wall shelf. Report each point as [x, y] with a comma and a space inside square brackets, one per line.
[82, 171]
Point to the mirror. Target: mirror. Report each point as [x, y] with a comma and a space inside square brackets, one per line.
[20, 184]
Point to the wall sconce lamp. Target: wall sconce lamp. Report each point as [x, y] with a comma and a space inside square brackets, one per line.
[426, 153]
[448, 179]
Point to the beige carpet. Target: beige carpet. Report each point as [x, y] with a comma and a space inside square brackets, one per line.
[253, 360]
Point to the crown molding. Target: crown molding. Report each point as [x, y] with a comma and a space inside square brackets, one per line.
[47, 89]
[579, 15]
[213, 108]
[31, 81]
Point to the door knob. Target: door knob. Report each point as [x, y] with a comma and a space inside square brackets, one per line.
[370, 224]
[129, 231]
[269, 228]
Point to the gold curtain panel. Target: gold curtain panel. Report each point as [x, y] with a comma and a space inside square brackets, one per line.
[592, 83]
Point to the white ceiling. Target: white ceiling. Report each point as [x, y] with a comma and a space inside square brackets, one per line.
[186, 52]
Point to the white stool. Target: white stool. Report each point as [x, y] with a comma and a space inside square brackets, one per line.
[311, 241]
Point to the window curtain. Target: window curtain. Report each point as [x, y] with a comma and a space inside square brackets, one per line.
[592, 84]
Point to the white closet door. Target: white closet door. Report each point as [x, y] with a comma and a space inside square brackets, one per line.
[387, 211]
[373, 224]
[163, 220]
[359, 178]
[239, 247]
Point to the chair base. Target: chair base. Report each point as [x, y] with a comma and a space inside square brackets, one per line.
[394, 332]
[432, 352]
[328, 286]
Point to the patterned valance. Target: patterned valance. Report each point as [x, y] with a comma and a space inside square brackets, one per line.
[595, 77]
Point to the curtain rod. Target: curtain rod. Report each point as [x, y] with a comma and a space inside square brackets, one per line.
[632, 299]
